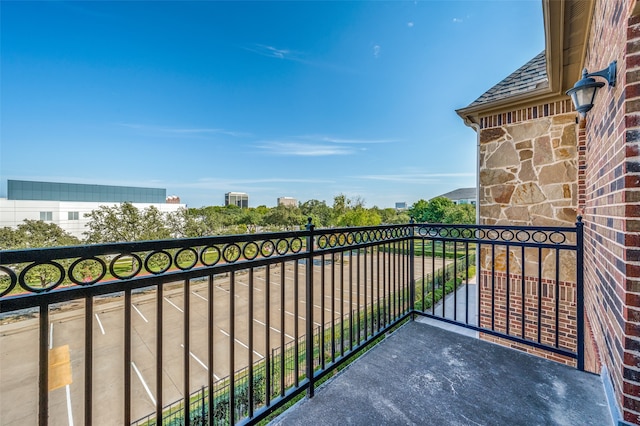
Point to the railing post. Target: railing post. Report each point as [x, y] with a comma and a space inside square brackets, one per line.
[412, 283]
[309, 309]
[580, 292]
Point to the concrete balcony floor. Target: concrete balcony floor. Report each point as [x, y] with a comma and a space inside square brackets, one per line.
[426, 375]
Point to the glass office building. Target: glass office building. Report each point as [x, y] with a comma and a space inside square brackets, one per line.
[239, 199]
[52, 191]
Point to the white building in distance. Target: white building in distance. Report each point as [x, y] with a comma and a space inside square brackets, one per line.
[287, 201]
[65, 204]
[240, 199]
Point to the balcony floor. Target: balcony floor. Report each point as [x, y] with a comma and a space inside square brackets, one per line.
[422, 374]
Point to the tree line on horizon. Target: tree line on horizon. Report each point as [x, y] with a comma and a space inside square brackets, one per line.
[125, 222]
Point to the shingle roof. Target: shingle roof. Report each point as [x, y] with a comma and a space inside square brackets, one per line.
[461, 194]
[530, 76]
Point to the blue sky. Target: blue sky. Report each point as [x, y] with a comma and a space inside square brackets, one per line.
[300, 99]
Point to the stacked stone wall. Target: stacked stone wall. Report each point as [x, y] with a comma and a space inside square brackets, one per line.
[612, 201]
[529, 170]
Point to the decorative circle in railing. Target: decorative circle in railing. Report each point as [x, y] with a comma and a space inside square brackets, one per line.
[48, 275]
[123, 261]
[282, 246]
[357, 237]
[296, 245]
[250, 250]
[267, 248]
[443, 232]
[350, 238]
[422, 232]
[557, 237]
[539, 237]
[322, 241]
[186, 258]
[507, 235]
[8, 280]
[378, 235]
[210, 255]
[87, 270]
[157, 262]
[523, 236]
[394, 233]
[342, 239]
[466, 233]
[492, 234]
[231, 252]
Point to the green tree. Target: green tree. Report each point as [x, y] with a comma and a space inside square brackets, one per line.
[321, 215]
[37, 234]
[432, 211]
[460, 213]
[359, 216]
[33, 234]
[418, 211]
[125, 222]
[286, 217]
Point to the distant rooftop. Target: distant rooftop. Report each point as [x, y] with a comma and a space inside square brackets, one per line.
[531, 76]
[461, 194]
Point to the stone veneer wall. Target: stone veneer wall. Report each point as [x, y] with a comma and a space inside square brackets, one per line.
[529, 176]
[612, 201]
[528, 171]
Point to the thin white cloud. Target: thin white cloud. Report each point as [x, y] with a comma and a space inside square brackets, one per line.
[416, 178]
[304, 149]
[274, 52]
[376, 51]
[183, 131]
[323, 138]
[457, 20]
[410, 24]
[220, 183]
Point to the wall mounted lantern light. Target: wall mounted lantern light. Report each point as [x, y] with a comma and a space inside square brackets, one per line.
[584, 91]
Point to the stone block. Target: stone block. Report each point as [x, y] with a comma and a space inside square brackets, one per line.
[520, 213]
[490, 211]
[527, 172]
[530, 129]
[491, 135]
[569, 136]
[490, 177]
[502, 193]
[525, 154]
[527, 193]
[565, 153]
[563, 172]
[524, 145]
[542, 151]
[504, 156]
[543, 209]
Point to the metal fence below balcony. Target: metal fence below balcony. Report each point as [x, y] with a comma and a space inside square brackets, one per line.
[224, 330]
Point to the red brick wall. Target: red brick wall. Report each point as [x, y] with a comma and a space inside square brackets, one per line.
[493, 303]
[612, 201]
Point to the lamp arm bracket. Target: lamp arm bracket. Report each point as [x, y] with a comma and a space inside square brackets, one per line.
[608, 73]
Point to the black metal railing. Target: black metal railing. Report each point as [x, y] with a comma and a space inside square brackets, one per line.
[224, 330]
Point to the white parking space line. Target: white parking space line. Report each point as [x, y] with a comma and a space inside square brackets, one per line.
[69, 411]
[140, 313]
[100, 324]
[173, 304]
[51, 336]
[272, 328]
[203, 298]
[241, 344]
[300, 318]
[225, 290]
[144, 384]
[247, 285]
[200, 362]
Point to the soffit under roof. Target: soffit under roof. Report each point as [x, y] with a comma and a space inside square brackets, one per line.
[548, 75]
